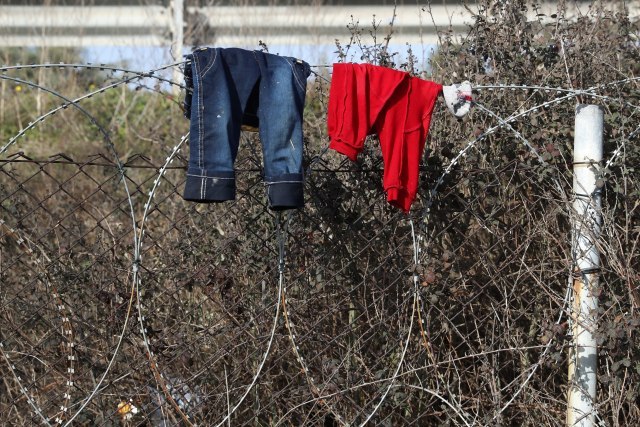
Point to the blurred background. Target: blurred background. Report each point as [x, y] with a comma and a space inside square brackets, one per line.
[146, 33]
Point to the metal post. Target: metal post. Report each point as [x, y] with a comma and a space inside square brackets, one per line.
[178, 37]
[586, 221]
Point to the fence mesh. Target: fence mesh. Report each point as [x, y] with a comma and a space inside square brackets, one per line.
[123, 304]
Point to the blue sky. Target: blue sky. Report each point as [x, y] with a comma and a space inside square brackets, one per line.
[144, 58]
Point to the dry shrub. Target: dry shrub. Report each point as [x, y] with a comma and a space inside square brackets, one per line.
[474, 333]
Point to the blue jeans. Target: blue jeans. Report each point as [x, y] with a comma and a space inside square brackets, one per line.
[234, 87]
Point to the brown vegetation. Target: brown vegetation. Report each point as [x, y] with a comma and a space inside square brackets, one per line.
[191, 317]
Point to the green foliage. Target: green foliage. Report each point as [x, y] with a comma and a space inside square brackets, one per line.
[130, 114]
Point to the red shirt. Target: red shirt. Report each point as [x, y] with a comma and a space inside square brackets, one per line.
[366, 99]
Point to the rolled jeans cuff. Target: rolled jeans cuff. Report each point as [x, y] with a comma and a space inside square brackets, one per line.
[285, 191]
[209, 187]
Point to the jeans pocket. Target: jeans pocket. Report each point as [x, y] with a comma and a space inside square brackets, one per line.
[301, 71]
[212, 55]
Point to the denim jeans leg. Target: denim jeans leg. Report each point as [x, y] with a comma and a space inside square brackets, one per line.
[229, 85]
[282, 95]
[216, 113]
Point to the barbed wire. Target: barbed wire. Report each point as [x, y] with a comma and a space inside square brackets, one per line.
[394, 366]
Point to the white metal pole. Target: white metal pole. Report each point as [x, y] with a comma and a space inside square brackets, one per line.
[178, 37]
[586, 222]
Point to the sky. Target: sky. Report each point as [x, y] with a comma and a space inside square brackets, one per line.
[147, 57]
[144, 58]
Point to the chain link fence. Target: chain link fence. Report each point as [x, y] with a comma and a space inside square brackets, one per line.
[122, 304]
